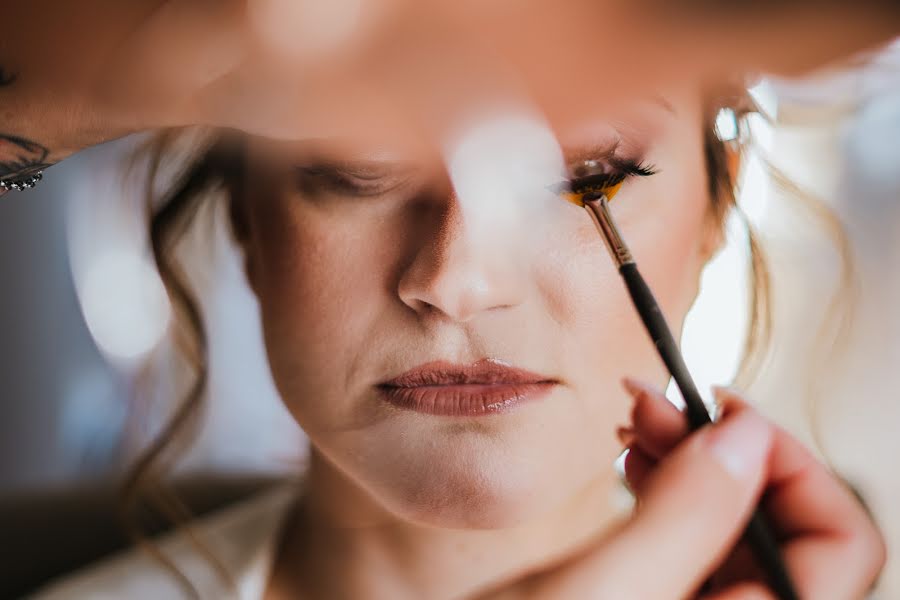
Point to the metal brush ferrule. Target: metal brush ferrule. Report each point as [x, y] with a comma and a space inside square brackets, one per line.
[598, 208]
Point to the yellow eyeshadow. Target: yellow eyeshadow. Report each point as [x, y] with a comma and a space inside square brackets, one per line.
[578, 198]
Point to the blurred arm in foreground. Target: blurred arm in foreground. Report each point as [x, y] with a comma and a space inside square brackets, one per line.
[72, 76]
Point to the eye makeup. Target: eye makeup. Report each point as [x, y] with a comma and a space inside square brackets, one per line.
[600, 177]
[593, 191]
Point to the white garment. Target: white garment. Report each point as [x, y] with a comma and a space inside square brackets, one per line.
[243, 538]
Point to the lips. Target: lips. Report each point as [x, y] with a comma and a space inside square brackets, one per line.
[485, 387]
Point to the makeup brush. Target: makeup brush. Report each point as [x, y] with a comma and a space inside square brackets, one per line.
[758, 534]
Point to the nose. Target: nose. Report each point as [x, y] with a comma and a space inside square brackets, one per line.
[464, 264]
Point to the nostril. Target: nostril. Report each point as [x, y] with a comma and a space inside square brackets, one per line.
[458, 271]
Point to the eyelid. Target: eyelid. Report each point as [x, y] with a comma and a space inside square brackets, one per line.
[607, 179]
[611, 167]
[599, 152]
[360, 178]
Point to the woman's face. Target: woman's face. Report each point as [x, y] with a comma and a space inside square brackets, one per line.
[367, 264]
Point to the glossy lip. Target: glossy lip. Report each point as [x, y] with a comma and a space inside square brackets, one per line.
[486, 387]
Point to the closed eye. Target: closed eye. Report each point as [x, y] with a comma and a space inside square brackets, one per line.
[362, 179]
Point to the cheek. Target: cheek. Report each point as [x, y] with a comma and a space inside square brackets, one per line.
[597, 336]
[669, 247]
[578, 282]
[664, 223]
[310, 280]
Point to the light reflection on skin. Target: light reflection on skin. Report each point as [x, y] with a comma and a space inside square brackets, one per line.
[353, 291]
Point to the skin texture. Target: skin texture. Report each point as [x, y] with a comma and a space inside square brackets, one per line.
[354, 291]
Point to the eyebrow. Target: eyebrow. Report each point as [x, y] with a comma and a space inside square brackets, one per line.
[660, 101]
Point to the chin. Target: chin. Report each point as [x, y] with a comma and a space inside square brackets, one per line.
[464, 494]
[489, 474]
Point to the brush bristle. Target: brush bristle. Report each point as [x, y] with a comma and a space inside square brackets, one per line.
[577, 198]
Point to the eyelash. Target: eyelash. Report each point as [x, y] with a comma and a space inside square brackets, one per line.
[621, 170]
[333, 178]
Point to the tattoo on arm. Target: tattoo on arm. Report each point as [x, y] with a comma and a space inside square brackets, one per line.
[19, 157]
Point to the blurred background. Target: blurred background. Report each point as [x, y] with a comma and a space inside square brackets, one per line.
[86, 373]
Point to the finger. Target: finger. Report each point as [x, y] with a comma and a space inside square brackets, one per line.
[835, 550]
[694, 507]
[625, 435]
[658, 425]
[703, 492]
[803, 495]
[638, 465]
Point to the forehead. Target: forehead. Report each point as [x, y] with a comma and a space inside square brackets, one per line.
[632, 127]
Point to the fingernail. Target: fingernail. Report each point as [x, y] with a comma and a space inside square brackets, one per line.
[718, 406]
[625, 435]
[636, 388]
[722, 392]
[739, 444]
[724, 397]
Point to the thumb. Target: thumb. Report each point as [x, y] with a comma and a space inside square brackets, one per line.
[693, 508]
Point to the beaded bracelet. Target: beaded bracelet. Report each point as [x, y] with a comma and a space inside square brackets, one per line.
[21, 184]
